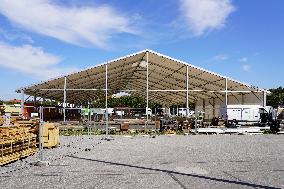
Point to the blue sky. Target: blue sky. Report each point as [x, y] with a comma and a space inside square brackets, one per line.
[40, 39]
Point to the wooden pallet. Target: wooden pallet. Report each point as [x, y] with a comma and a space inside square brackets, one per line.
[17, 156]
[16, 143]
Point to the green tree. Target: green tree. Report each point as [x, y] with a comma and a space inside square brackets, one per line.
[133, 102]
[125, 101]
[276, 97]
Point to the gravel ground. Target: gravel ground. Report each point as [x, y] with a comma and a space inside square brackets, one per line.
[201, 161]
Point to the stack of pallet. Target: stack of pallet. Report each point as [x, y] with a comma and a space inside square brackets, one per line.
[13, 119]
[31, 124]
[16, 143]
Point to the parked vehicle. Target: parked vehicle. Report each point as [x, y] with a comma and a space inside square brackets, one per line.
[245, 114]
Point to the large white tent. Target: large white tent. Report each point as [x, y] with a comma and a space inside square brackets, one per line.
[157, 77]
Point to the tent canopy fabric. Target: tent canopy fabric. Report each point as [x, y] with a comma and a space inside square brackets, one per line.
[167, 81]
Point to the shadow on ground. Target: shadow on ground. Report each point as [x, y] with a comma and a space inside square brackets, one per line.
[178, 173]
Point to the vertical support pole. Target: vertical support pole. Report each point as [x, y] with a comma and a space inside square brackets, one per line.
[226, 98]
[214, 111]
[22, 104]
[187, 104]
[43, 101]
[106, 103]
[177, 110]
[195, 121]
[203, 109]
[226, 92]
[40, 133]
[147, 97]
[89, 118]
[64, 99]
[264, 98]
[95, 116]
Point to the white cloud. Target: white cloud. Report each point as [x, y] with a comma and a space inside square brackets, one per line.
[246, 67]
[12, 36]
[31, 60]
[205, 15]
[220, 57]
[76, 25]
[244, 59]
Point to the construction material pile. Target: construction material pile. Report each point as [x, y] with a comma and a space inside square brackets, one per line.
[13, 119]
[16, 143]
[31, 124]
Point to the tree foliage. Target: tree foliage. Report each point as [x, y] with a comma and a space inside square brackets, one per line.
[125, 101]
[132, 102]
[276, 97]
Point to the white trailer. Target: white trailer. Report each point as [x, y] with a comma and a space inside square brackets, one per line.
[244, 113]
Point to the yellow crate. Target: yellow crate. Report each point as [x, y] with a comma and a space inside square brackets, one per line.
[50, 135]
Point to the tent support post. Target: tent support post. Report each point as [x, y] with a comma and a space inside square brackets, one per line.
[177, 110]
[226, 91]
[40, 134]
[147, 88]
[22, 104]
[264, 98]
[106, 116]
[226, 96]
[64, 99]
[43, 101]
[187, 104]
[214, 111]
[203, 105]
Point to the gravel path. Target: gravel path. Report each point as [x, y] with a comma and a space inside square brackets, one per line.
[215, 161]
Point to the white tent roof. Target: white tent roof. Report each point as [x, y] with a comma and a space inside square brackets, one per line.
[128, 74]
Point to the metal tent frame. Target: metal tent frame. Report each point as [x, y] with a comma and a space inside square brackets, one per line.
[157, 77]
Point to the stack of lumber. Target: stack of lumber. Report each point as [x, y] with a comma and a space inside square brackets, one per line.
[13, 119]
[16, 143]
[27, 122]
[31, 124]
[2, 119]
